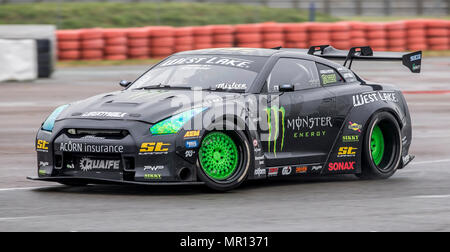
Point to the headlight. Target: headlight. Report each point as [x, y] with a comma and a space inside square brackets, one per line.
[50, 122]
[173, 124]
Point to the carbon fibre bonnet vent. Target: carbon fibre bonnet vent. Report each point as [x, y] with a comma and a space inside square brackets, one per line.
[100, 133]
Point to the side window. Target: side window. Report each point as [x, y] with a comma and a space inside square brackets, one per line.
[328, 75]
[300, 73]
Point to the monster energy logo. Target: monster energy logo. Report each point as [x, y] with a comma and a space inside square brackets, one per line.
[276, 111]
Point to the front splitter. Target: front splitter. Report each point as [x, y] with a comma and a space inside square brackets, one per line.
[88, 180]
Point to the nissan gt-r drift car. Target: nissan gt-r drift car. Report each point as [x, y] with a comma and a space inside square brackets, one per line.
[222, 116]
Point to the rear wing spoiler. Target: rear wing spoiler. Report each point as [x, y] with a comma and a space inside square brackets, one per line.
[412, 60]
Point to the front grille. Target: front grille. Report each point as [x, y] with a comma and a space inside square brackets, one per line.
[99, 133]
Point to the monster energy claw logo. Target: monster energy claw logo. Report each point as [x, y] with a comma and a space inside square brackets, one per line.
[276, 111]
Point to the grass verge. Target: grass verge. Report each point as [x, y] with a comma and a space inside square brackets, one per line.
[71, 15]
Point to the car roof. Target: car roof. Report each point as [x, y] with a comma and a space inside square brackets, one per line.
[282, 52]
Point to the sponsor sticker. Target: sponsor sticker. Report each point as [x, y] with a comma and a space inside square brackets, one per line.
[328, 78]
[85, 147]
[375, 96]
[153, 167]
[341, 166]
[309, 122]
[104, 114]
[192, 133]
[354, 126]
[152, 176]
[316, 168]
[347, 152]
[301, 169]
[273, 171]
[232, 86]
[88, 164]
[189, 153]
[416, 57]
[223, 61]
[43, 164]
[287, 170]
[308, 134]
[350, 139]
[260, 172]
[190, 144]
[42, 145]
[154, 148]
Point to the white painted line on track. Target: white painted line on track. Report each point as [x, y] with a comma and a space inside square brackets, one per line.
[24, 188]
[432, 196]
[431, 162]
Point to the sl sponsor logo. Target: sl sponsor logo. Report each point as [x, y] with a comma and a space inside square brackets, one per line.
[154, 148]
[273, 171]
[152, 176]
[191, 144]
[42, 145]
[260, 172]
[350, 139]
[192, 133]
[42, 172]
[347, 152]
[274, 130]
[355, 126]
[104, 114]
[341, 166]
[153, 167]
[374, 96]
[287, 170]
[87, 164]
[301, 169]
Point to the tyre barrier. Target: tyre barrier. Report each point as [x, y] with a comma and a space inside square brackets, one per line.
[184, 39]
[222, 36]
[138, 43]
[161, 41]
[272, 35]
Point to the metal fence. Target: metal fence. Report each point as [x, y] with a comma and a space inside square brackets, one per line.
[332, 7]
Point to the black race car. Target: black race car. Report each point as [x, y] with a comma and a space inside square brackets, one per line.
[222, 116]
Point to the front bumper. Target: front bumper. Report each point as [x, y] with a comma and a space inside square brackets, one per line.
[137, 157]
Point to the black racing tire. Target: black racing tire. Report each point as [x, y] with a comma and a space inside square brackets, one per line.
[390, 161]
[241, 172]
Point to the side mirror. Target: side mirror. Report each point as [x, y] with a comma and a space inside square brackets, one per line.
[124, 83]
[286, 88]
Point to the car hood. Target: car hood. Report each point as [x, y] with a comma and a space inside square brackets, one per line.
[148, 106]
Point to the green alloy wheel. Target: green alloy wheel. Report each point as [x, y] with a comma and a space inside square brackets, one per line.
[218, 156]
[377, 145]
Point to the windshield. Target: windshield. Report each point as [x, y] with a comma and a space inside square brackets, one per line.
[209, 72]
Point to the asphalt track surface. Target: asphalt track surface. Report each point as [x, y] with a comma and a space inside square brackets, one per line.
[416, 198]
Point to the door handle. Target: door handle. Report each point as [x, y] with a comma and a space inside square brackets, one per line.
[328, 100]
